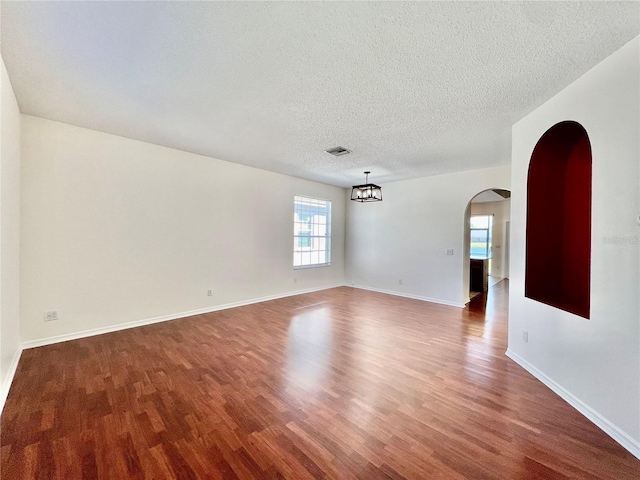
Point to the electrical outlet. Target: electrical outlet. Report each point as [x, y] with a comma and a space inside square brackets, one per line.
[449, 251]
[525, 336]
[399, 281]
[51, 316]
[295, 280]
[209, 293]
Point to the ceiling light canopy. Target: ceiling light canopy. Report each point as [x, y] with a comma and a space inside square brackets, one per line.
[367, 192]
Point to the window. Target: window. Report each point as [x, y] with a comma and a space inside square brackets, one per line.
[311, 232]
[481, 236]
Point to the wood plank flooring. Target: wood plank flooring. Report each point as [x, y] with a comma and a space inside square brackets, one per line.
[340, 384]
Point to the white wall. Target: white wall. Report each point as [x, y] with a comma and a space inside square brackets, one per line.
[116, 230]
[9, 234]
[501, 212]
[406, 236]
[594, 364]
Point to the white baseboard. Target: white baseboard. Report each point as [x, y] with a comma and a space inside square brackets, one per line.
[629, 443]
[408, 295]
[6, 385]
[164, 318]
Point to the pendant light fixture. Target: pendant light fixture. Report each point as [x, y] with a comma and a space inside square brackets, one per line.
[367, 192]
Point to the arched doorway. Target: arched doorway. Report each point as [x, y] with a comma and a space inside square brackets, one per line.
[486, 240]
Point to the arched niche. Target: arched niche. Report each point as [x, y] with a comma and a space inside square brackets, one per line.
[558, 241]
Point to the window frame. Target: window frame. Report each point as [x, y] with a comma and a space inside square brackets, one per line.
[322, 231]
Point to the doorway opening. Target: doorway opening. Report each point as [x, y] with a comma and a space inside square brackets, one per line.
[486, 241]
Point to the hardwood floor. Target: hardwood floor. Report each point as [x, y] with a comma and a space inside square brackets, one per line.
[342, 383]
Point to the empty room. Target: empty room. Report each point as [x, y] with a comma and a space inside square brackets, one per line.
[303, 240]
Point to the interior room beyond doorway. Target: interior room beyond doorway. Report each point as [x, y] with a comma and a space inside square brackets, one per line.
[489, 239]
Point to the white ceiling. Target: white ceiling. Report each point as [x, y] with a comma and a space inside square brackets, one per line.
[413, 89]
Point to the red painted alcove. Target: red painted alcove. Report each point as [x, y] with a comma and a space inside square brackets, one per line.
[558, 251]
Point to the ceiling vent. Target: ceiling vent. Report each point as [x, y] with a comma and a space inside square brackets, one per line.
[337, 151]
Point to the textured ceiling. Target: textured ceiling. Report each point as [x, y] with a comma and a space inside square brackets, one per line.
[413, 89]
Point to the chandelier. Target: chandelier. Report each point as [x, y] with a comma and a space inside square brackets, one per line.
[367, 192]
